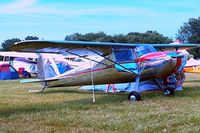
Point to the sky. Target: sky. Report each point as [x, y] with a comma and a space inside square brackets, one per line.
[54, 19]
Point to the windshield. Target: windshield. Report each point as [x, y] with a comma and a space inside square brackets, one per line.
[144, 49]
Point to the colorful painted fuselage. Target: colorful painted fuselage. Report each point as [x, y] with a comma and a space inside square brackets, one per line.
[156, 65]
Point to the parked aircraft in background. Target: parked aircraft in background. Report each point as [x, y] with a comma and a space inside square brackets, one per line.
[119, 63]
[25, 62]
[192, 66]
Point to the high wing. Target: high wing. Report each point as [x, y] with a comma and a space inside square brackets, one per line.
[61, 46]
[103, 47]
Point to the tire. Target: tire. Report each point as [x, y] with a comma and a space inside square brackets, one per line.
[28, 75]
[134, 96]
[168, 91]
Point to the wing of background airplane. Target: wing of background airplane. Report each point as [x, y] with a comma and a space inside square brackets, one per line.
[17, 54]
[174, 47]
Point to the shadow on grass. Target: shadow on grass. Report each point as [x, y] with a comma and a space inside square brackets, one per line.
[76, 105]
[103, 100]
[195, 81]
[195, 91]
[107, 97]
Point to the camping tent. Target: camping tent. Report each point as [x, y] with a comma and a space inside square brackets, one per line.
[7, 72]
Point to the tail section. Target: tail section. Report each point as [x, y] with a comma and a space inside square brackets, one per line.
[47, 67]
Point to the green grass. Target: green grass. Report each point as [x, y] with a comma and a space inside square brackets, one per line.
[71, 110]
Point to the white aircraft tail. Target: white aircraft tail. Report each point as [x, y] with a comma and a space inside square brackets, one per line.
[47, 68]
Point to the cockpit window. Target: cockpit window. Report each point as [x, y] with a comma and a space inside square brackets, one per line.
[144, 49]
[123, 55]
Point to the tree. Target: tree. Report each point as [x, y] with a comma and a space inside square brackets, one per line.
[151, 37]
[190, 33]
[32, 38]
[74, 37]
[7, 43]
[120, 38]
[94, 36]
[86, 37]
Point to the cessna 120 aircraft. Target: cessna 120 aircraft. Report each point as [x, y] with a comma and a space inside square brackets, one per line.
[121, 63]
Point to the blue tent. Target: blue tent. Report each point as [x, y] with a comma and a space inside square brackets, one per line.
[8, 72]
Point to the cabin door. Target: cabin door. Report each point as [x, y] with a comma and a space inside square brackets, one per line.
[125, 60]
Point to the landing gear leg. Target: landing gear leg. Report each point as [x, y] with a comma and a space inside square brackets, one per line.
[166, 90]
[43, 89]
[44, 86]
[135, 95]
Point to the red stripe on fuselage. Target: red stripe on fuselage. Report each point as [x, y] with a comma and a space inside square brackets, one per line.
[150, 56]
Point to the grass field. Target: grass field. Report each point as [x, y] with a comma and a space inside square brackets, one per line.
[70, 110]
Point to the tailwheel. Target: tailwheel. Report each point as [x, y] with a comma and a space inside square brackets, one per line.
[134, 96]
[168, 91]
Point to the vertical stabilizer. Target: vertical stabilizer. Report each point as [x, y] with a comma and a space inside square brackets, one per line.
[47, 67]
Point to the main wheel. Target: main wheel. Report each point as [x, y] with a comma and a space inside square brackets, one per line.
[134, 96]
[168, 91]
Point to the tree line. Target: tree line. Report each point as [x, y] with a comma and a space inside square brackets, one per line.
[7, 43]
[189, 32]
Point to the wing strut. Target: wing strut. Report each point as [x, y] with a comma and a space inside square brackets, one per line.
[92, 78]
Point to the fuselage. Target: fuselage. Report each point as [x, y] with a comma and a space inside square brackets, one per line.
[155, 65]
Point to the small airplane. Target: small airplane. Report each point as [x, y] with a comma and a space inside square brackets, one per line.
[119, 63]
[24, 63]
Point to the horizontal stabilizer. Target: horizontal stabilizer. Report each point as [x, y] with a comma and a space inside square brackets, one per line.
[35, 80]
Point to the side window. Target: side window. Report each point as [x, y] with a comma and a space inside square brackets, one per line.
[140, 50]
[124, 59]
[6, 58]
[144, 49]
[123, 55]
[11, 69]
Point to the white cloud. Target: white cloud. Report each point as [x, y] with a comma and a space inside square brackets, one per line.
[79, 17]
[19, 6]
[32, 7]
